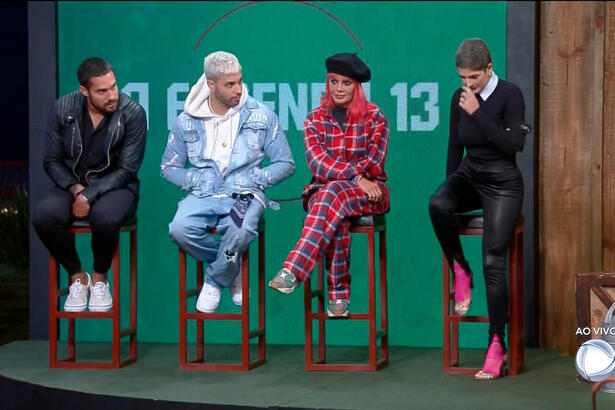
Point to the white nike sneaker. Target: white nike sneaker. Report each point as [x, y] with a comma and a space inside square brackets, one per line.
[236, 291]
[209, 299]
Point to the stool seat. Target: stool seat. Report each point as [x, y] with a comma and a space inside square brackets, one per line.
[474, 220]
[84, 223]
[368, 220]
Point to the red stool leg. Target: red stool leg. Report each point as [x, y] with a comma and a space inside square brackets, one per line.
[515, 328]
[133, 293]
[261, 295]
[182, 309]
[322, 353]
[200, 343]
[384, 316]
[371, 299]
[520, 304]
[116, 306]
[71, 350]
[245, 311]
[53, 307]
[446, 306]
[307, 308]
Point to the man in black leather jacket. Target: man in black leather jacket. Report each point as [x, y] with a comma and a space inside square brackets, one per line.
[94, 146]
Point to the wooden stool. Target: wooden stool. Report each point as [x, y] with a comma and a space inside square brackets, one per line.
[199, 362]
[367, 224]
[55, 314]
[472, 224]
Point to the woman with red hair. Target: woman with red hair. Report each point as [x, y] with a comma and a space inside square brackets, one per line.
[346, 140]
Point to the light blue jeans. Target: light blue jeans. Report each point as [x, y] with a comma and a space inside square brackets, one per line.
[191, 230]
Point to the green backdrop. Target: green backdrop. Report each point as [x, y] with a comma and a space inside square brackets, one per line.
[157, 50]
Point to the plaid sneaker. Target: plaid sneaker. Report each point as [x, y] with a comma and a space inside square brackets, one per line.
[338, 308]
[285, 281]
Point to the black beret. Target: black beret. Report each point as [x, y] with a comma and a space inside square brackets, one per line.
[350, 65]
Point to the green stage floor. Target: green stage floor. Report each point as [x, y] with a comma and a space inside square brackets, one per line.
[413, 380]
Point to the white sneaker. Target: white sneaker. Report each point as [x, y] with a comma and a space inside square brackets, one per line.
[236, 291]
[77, 298]
[209, 299]
[100, 297]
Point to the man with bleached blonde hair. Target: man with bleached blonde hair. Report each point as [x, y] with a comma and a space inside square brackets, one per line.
[225, 135]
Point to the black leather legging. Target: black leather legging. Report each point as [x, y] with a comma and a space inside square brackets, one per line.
[497, 188]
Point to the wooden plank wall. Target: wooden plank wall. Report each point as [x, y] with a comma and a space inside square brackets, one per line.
[609, 141]
[576, 164]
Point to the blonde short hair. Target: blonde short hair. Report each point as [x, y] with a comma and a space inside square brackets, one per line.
[220, 62]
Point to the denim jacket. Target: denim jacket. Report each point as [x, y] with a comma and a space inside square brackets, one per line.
[259, 135]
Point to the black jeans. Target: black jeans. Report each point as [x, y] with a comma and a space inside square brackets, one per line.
[497, 188]
[54, 213]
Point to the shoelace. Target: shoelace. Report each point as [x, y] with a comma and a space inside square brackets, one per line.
[288, 277]
[75, 288]
[99, 290]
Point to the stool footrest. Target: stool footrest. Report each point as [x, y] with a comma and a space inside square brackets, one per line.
[129, 331]
[381, 333]
[351, 316]
[469, 319]
[317, 293]
[192, 292]
[256, 333]
[213, 316]
[84, 315]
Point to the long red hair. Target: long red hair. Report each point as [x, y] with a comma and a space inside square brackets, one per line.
[358, 105]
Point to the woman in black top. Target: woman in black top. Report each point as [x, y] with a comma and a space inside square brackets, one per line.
[487, 120]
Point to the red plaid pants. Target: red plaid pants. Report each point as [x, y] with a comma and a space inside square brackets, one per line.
[326, 232]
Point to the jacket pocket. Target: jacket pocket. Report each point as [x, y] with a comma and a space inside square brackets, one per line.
[193, 143]
[254, 135]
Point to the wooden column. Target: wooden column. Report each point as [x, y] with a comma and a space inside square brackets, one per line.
[570, 160]
[608, 144]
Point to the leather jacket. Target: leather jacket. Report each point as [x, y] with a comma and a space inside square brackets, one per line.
[124, 143]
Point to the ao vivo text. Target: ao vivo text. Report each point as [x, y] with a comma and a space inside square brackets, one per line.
[598, 331]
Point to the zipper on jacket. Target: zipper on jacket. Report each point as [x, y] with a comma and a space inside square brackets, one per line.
[75, 128]
[115, 131]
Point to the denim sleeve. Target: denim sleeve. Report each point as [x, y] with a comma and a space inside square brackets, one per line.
[173, 165]
[281, 163]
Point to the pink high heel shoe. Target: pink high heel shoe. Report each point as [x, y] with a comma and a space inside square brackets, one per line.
[494, 362]
[463, 292]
